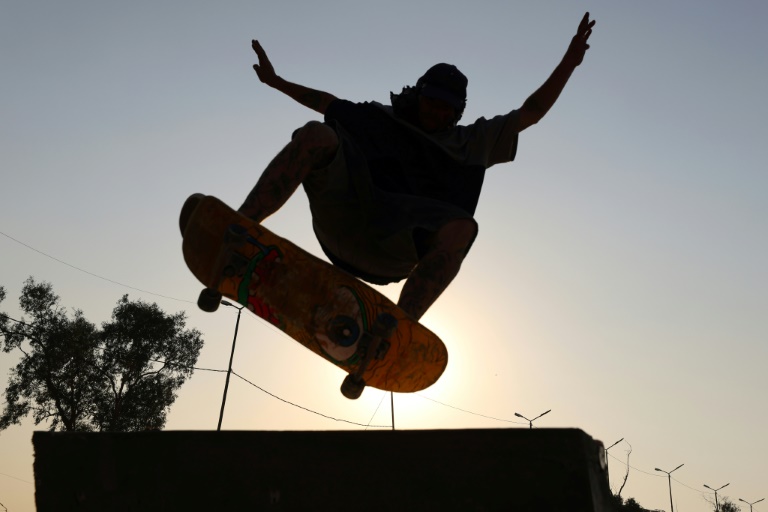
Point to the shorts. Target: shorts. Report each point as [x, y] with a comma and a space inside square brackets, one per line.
[375, 235]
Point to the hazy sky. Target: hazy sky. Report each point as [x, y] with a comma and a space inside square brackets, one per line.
[619, 277]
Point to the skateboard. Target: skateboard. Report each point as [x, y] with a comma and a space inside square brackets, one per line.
[329, 311]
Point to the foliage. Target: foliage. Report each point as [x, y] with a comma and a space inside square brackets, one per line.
[121, 377]
[628, 505]
[726, 505]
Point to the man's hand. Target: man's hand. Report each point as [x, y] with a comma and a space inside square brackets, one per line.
[578, 47]
[539, 103]
[311, 98]
[264, 68]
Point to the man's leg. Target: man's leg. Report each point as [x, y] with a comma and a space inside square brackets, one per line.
[438, 267]
[313, 147]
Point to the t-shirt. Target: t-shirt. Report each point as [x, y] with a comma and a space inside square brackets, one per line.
[447, 166]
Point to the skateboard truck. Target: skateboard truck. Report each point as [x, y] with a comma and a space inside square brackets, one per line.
[373, 345]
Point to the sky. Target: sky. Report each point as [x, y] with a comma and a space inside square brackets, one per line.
[619, 276]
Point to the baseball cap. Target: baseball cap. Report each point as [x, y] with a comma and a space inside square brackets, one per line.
[444, 82]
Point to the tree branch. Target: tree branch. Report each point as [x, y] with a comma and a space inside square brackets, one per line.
[626, 476]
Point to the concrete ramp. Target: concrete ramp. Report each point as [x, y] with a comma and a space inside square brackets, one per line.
[420, 470]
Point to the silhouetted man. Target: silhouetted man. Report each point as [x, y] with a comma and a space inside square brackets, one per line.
[393, 189]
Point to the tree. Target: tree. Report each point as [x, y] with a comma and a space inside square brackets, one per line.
[626, 475]
[122, 377]
[630, 505]
[55, 376]
[726, 505]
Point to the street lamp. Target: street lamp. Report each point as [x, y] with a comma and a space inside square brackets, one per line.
[606, 459]
[750, 504]
[530, 422]
[231, 356]
[669, 477]
[717, 506]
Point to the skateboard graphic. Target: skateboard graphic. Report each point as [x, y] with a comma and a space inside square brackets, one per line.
[327, 310]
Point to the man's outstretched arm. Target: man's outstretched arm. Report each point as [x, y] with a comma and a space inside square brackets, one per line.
[311, 98]
[539, 103]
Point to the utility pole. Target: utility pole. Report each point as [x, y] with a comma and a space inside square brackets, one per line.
[392, 407]
[750, 504]
[669, 477]
[717, 505]
[530, 422]
[231, 357]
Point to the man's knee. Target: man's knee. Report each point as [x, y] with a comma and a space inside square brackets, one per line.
[317, 135]
[318, 141]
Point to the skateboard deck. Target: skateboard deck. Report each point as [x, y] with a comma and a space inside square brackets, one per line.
[329, 311]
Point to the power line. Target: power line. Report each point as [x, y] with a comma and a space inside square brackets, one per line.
[691, 488]
[636, 469]
[304, 408]
[383, 395]
[469, 412]
[16, 478]
[91, 273]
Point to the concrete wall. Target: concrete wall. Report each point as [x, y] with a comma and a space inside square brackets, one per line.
[467, 470]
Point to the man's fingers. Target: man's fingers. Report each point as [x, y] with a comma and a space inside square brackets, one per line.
[259, 50]
[256, 47]
[586, 24]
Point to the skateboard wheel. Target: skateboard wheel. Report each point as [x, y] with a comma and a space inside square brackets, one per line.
[209, 300]
[352, 387]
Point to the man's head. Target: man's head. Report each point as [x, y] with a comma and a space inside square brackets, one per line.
[437, 100]
[444, 82]
[442, 97]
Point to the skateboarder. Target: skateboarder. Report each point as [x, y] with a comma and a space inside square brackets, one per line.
[393, 189]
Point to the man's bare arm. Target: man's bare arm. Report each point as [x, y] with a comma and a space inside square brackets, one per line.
[311, 98]
[539, 103]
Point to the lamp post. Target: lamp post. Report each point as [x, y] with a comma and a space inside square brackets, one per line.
[750, 504]
[717, 505]
[530, 422]
[606, 459]
[231, 356]
[669, 477]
